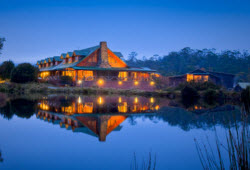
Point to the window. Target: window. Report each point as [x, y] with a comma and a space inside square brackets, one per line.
[123, 76]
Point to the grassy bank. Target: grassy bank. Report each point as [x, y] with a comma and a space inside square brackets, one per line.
[13, 88]
[43, 88]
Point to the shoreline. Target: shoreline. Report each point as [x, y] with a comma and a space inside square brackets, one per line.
[43, 88]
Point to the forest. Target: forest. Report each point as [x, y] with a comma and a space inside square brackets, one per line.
[187, 59]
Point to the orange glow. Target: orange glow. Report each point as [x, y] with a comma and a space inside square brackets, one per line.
[136, 100]
[79, 100]
[120, 82]
[123, 107]
[120, 99]
[100, 81]
[123, 76]
[136, 83]
[197, 78]
[44, 106]
[152, 83]
[190, 77]
[152, 100]
[157, 107]
[100, 100]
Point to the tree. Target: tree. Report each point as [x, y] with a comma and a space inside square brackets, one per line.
[24, 73]
[6, 69]
[132, 56]
[1, 43]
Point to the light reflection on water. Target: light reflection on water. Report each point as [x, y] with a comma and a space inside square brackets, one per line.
[103, 132]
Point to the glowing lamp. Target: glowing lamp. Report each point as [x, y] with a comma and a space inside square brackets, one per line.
[79, 82]
[152, 83]
[120, 99]
[100, 100]
[151, 100]
[79, 100]
[136, 100]
[120, 82]
[100, 82]
[157, 107]
[136, 83]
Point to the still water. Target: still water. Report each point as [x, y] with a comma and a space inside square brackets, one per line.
[105, 132]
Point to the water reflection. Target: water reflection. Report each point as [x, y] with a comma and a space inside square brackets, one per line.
[100, 115]
[96, 116]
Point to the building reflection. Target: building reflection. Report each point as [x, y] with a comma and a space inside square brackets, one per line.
[96, 116]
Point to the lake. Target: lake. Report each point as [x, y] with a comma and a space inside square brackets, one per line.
[107, 132]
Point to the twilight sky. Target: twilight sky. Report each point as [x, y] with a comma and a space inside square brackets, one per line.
[36, 29]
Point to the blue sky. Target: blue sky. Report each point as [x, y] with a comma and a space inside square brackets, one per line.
[43, 28]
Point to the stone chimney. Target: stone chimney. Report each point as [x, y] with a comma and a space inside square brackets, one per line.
[103, 56]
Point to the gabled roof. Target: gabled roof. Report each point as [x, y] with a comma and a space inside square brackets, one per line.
[86, 51]
[243, 85]
[118, 54]
[57, 58]
[63, 55]
[69, 54]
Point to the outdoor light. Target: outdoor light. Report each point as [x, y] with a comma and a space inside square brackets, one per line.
[120, 99]
[152, 83]
[79, 100]
[157, 107]
[120, 82]
[136, 83]
[100, 100]
[100, 82]
[136, 100]
[79, 82]
[151, 100]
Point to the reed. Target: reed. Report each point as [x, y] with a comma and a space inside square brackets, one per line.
[147, 164]
[237, 148]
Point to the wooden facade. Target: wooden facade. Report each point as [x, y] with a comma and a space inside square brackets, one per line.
[96, 66]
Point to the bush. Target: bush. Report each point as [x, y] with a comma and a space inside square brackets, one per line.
[245, 98]
[6, 69]
[189, 93]
[200, 86]
[66, 80]
[210, 96]
[24, 73]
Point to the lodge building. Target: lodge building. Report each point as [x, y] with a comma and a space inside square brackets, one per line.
[222, 79]
[96, 66]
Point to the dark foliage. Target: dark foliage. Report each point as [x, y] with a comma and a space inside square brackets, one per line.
[210, 96]
[199, 86]
[21, 107]
[189, 95]
[24, 73]
[188, 59]
[66, 80]
[6, 69]
[1, 43]
[245, 98]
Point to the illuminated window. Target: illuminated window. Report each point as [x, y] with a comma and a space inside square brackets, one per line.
[123, 76]
[123, 107]
[190, 77]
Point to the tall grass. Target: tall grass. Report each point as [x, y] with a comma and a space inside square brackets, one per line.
[145, 164]
[237, 148]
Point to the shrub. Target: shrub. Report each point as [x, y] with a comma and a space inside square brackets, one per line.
[245, 98]
[6, 69]
[200, 86]
[24, 73]
[210, 96]
[66, 80]
[189, 93]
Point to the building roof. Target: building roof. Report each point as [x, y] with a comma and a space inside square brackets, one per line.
[85, 53]
[243, 85]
